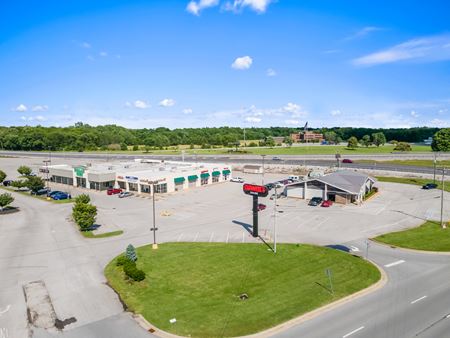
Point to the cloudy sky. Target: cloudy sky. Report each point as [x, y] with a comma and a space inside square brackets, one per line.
[180, 63]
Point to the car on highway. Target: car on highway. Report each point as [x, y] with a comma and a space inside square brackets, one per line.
[326, 204]
[429, 186]
[124, 194]
[315, 201]
[61, 196]
[43, 191]
[276, 158]
[261, 207]
[113, 191]
[237, 179]
[347, 160]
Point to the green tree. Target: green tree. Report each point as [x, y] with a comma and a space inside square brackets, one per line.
[135, 147]
[288, 140]
[403, 146]
[378, 139]
[5, 200]
[330, 137]
[83, 198]
[2, 176]
[84, 215]
[24, 170]
[130, 253]
[269, 141]
[18, 184]
[441, 140]
[352, 142]
[34, 183]
[365, 141]
[123, 146]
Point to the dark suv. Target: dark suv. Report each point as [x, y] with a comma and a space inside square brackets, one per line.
[429, 186]
[315, 201]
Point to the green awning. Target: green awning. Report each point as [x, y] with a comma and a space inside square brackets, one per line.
[193, 178]
[226, 172]
[216, 173]
[204, 175]
[179, 179]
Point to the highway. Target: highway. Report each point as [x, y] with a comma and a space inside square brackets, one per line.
[295, 160]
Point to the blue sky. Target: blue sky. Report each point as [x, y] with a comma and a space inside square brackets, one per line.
[181, 63]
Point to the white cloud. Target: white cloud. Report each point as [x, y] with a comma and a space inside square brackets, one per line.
[363, 32]
[139, 104]
[195, 7]
[90, 58]
[243, 62]
[38, 118]
[259, 6]
[40, 108]
[85, 45]
[253, 119]
[187, 111]
[271, 72]
[104, 54]
[335, 112]
[167, 103]
[439, 123]
[424, 49]
[292, 122]
[20, 108]
[414, 113]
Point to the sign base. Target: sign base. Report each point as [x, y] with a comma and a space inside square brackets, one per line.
[154, 246]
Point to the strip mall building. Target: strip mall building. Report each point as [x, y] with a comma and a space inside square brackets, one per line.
[140, 176]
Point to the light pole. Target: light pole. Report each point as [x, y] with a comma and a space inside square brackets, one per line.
[263, 169]
[443, 226]
[155, 245]
[275, 223]
[434, 171]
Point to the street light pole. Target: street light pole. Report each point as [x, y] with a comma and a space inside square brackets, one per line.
[263, 156]
[155, 245]
[443, 226]
[275, 223]
[434, 171]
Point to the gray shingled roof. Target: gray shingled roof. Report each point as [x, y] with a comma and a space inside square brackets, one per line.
[348, 180]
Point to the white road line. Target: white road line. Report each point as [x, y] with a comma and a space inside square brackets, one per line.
[243, 237]
[196, 236]
[179, 237]
[448, 316]
[5, 310]
[228, 236]
[418, 299]
[211, 237]
[354, 331]
[401, 261]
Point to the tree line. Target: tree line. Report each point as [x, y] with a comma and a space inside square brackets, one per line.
[80, 136]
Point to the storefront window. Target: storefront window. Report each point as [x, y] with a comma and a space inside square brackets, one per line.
[133, 186]
[215, 179]
[161, 188]
[204, 181]
[145, 188]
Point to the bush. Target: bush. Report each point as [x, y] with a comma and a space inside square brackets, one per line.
[5, 200]
[83, 198]
[84, 215]
[122, 260]
[135, 147]
[131, 271]
[2, 176]
[24, 170]
[34, 183]
[403, 146]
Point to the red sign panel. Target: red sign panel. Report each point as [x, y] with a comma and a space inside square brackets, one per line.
[252, 189]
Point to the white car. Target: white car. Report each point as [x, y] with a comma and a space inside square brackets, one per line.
[237, 179]
[124, 194]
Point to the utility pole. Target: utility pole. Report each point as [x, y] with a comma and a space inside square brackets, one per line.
[443, 225]
[155, 245]
[245, 144]
[263, 156]
[275, 222]
[434, 171]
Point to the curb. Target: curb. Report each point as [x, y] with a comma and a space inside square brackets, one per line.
[391, 246]
[286, 325]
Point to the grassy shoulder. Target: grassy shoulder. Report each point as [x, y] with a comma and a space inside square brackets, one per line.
[429, 237]
[414, 181]
[91, 234]
[42, 197]
[199, 284]
[414, 163]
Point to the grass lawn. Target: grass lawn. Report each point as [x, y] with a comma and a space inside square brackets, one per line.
[414, 180]
[43, 198]
[415, 163]
[429, 236]
[199, 284]
[90, 234]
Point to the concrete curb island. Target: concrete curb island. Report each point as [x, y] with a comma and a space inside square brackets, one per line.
[391, 246]
[286, 325]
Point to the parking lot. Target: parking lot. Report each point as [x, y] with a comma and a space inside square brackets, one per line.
[41, 243]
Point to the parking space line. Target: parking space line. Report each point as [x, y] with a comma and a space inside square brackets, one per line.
[243, 237]
[196, 236]
[211, 237]
[179, 237]
[418, 299]
[401, 261]
[353, 332]
[228, 236]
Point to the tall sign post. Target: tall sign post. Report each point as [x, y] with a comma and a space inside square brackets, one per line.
[256, 191]
[443, 225]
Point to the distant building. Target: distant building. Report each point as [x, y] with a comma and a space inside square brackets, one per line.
[428, 141]
[278, 139]
[252, 169]
[307, 136]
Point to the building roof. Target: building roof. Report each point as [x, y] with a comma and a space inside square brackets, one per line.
[348, 180]
[252, 166]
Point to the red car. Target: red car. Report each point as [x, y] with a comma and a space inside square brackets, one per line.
[261, 206]
[327, 204]
[347, 160]
[113, 191]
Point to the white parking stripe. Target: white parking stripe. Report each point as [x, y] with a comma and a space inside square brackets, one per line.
[211, 237]
[354, 331]
[401, 261]
[243, 237]
[228, 236]
[418, 299]
[196, 236]
[179, 237]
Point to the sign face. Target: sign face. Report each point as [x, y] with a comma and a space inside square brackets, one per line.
[132, 179]
[252, 189]
[79, 171]
[153, 182]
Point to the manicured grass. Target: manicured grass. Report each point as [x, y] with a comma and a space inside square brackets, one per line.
[415, 163]
[199, 284]
[90, 234]
[429, 236]
[414, 180]
[43, 198]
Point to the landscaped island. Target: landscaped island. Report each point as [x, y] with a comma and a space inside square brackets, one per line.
[200, 284]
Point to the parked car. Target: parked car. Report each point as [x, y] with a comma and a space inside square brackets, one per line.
[315, 201]
[347, 160]
[276, 158]
[51, 193]
[270, 186]
[277, 195]
[261, 207]
[124, 194]
[237, 179]
[429, 186]
[326, 204]
[113, 191]
[23, 189]
[61, 196]
[7, 183]
[43, 191]
[294, 178]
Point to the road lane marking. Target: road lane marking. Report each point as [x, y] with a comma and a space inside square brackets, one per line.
[211, 237]
[179, 237]
[5, 310]
[228, 236]
[418, 299]
[196, 236]
[401, 261]
[243, 237]
[354, 331]
[448, 316]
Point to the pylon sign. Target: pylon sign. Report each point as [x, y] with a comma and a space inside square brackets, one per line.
[253, 189]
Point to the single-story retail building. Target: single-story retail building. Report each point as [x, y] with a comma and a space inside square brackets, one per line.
[343, 186]
[140, 176]
[252, 169]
